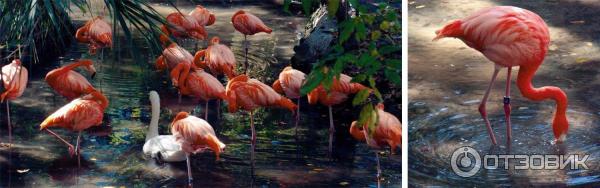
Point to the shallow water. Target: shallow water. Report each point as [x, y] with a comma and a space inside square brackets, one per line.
[111, 154]
[447, 81]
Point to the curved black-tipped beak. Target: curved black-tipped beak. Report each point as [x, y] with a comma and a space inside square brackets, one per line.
[93, 75]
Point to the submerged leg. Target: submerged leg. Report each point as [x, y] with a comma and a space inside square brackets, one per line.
[9, 124]
[378, 169]
[507, 107]
[253, 141]
[189, 169]
[331, 130]
[297, 116]
[482, 110]
[71, 149]
[78, 149]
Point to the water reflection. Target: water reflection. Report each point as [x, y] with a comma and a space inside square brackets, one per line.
[112, 153]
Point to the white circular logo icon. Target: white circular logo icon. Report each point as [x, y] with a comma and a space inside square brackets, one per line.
[465, 161]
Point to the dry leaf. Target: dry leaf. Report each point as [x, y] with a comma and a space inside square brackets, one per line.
[22, 171]
[420, 6]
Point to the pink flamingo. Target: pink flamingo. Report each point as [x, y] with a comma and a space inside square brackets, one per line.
[78, 115]
[204, 86]
[14, 77]
[248, 24]
[182, 26]
[203, 16]
[511, 36]
[96, 32]
[218, 58]
[195, 135]
[178, 60]
[289, 83]
[338, 93]
[388, 132]
[69, 83]
[250, 94]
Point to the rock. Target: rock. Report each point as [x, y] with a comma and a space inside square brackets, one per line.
[318, 38]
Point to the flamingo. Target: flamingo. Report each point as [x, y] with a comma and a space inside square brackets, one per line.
[250, 94]
[204, 86]
[339, 91]
[182, 26]
[78, 115]
[96, 32]
[195, 135]
[14, 77]
[218, 58]
[203, 16]
[178, 60]
[289, 83]
[163, 147]
[69, 83]
[388, 132]
[511, 36]
[248, 24]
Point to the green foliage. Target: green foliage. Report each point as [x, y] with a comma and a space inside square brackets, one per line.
[368, 43]
[28, 23]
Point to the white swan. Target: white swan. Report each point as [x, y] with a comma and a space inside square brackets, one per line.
[163, 147]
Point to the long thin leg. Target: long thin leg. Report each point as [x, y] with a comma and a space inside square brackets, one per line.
[71, 150]
[297, 116]
[178, 97]
[206, 110]
[245, 54]
[482, 110]
[9, 124]
[78, 149]
[218, 108]
[331, 130]
[253, 141]
[507, 107]
[189, 170]
[378, 168]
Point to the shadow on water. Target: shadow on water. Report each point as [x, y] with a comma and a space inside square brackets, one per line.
[447, 81]
[111, 154]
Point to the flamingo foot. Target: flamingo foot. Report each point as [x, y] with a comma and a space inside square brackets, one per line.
[71, 150]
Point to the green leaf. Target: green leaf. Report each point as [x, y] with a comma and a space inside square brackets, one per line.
[332, 7]
[347, 28]
[388, 49]
[328, 81]
[392, 75]
[307, 6]
[359, 78]
[360, 97]
[313, 80]
[364, 60]
[286, 6]
[361, 31]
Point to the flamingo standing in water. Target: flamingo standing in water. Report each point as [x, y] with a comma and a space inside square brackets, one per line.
[178, 60]
[162, 147]
[338, 93]
[248, 24]
[511, 36]
[250, 94]
[195, 135]
[218, 58]
[69, 83]
[289, 83]
[182, 26]
[204, 86]
[388, 132]
[14, 77]
[97, 33]
[77, 115]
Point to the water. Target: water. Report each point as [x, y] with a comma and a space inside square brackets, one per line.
[447, 81]
[111, 154]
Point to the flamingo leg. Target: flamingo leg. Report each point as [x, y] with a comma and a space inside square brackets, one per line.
[331, 130]
[245, 54]
[378, 166]
[297, 116]
[78, 149]
[9, 124]
[206, 110]
[507, 107]
[178, 97]
[482, 110]
[253, 141]
[189, 169]
[71, 150]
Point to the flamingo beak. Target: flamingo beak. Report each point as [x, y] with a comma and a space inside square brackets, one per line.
[93, 75]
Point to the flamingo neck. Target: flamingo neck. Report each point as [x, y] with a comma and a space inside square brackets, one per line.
[153, 128]
[560, 123]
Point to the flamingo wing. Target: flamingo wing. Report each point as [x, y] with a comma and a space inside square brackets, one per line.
[77, 115]
[14, 77]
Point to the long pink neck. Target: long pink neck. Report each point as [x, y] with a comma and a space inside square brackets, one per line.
[560, 124]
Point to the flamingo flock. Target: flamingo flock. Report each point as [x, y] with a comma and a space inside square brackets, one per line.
[194, 76]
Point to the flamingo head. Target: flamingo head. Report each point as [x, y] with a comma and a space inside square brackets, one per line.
[88, 66]
[560, 127]
[179, 116]
[453, 29]
[357, 131]
[211, 19]
[199, 33]
[215, 40]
